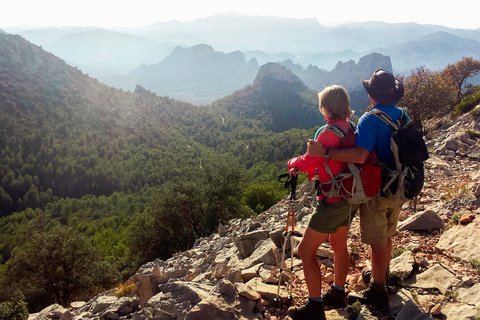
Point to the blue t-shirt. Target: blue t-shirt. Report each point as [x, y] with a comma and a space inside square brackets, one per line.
[374, 134]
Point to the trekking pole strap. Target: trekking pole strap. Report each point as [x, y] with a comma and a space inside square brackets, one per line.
[289, 181]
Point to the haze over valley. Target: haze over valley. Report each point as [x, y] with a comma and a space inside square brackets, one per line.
[205, 59]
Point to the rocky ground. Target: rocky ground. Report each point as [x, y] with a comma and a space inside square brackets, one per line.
[233, 273]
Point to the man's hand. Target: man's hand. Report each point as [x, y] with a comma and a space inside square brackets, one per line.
[315, 148]
[293, 171]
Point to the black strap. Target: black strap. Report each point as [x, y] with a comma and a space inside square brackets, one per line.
[393, 125]
[289, 181]
[336, 130]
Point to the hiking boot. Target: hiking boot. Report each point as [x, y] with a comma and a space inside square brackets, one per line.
[375, 296]
[393, 283]
[335, 299]
[312, 310]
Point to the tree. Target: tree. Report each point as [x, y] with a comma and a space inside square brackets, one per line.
[56, 266]
[183, 211]
[457, 73]
[427, 94]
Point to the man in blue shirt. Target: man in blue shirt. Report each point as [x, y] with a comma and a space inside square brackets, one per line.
[378, 218]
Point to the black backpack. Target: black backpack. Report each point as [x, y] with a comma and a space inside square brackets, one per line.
[405, 177]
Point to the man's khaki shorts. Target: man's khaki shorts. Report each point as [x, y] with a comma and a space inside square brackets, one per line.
[379, 218]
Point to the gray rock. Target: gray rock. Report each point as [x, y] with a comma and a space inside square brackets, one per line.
[427, 220]
[222, 230]
[266, 252]
[121, 307]
[102, 303]
[146, 287]
[212, 308]
[246, 242]
[452, 144]
[402, 266]
[470, 295]
[227, 289]
[247, 292]
[52, 310]
[412, 312]
[460, 311]
[435, 277]
[325, 251]
[267, 291]
[184, 290]
[277, 236]
[163, 315]
[250, 273]
[465, 138]
[461, 242]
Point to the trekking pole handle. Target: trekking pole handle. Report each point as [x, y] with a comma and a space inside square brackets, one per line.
[289, 182]
[293, 186]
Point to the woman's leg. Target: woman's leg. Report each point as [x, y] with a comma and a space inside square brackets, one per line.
[338, 241]
[308, 252]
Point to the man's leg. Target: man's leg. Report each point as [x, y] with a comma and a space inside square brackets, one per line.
[381, 254]
[374, 224]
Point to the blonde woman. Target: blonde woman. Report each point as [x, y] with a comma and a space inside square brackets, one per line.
[332, 216]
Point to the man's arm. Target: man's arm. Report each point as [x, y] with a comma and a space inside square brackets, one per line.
[353, 155]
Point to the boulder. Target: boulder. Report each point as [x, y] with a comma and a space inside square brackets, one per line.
[412, 312]
[459, 311]
[212, 308]
[435, 277]
[470, 295]
[427, 220]
[50, 312]
[146, 287]
[268, 291]
[402, 266]
[461, 242]
[246, 242]
[266, 252]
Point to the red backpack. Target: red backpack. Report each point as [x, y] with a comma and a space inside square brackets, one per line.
[357, 183]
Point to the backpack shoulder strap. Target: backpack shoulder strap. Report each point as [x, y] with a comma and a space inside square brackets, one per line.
[336, 130]
[393, 125]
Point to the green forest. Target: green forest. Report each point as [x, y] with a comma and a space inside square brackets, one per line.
[96, 181]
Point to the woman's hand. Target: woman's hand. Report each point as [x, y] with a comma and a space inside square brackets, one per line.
[315, 148]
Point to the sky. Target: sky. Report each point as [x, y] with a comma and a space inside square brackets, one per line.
[121, 13]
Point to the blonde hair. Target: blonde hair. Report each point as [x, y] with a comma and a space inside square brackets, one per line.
[335, 100]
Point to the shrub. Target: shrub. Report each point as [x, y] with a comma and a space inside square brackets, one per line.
[397, 251]
[13, 305]
[467, 104]
[57, 266]
[261, 196]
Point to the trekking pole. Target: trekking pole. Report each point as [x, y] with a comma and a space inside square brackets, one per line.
[290, 182]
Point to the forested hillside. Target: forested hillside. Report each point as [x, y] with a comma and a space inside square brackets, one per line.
[78, 154]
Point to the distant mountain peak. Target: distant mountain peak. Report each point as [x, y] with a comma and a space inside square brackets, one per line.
[198, 50]
[278, 72]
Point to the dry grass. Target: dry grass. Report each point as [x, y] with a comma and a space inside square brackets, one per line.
[124, 289]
